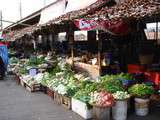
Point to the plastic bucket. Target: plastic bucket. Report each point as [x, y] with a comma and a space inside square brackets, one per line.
[141, 106]
[119, 110]
[100, 113]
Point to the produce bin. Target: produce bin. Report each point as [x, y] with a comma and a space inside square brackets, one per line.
[82, 109]
[50, 92]
[58, 98]
[66, 102]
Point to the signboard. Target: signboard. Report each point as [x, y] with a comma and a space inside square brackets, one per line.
[62, 36]
[116, 27]
[80, 35]
[86, 24]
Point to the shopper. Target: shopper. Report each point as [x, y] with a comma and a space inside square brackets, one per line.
[3, 59]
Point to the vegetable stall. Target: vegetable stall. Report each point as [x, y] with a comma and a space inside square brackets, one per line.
[89, 74]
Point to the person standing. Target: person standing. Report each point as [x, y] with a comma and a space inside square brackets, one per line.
[3, 59]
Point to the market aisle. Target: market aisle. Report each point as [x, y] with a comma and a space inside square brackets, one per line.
[18, 104]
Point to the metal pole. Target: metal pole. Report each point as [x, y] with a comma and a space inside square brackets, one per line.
[20, 9]
[157, 31]
[44, 3]
[1, 17]
[14, 23]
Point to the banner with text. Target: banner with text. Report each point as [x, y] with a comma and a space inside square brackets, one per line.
[116, 27]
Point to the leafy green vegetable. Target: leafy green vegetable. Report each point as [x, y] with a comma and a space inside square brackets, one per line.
[14, 60]
[125, 76]
[111, 88]
[83, 96]
[33, 61]
[141, 90]
[111, 84]
[23, 70]
[86, 87]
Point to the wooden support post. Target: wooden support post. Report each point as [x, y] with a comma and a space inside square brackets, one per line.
[34, 42]
[157, 32]
[99, 51]
[51, 41]
[71, 40]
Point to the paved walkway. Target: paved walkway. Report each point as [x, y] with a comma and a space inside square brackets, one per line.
[18, 104]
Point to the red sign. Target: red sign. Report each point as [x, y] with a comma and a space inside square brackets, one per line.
[86, 24]
[116, 27]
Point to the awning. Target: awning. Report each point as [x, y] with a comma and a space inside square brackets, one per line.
[62, 7]
[114, 19]
[13, 35]
[100, 16]
[52, 12]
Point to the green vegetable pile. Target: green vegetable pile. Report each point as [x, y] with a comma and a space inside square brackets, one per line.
[125, 76]
[14, 60]
[110, 84]
[23, 70]
[34, 61]
[61, 79]
[86, 87]
[141, 90]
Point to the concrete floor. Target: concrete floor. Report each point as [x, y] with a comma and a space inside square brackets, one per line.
[18, 104]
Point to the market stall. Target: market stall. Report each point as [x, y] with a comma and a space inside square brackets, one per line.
[72, 85]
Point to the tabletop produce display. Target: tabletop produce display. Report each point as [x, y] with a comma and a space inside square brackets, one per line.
[87, 96]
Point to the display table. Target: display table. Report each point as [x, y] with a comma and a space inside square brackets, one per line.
[92, 70]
